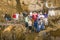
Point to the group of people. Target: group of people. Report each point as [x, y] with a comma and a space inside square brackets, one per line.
[36, 20]
[15, 17]
[32, 20]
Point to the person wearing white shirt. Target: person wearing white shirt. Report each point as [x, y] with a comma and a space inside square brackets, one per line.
[30, 15]
[40, 16]
[51, 13]
[30, 24]
[17, 16]
[40, 22]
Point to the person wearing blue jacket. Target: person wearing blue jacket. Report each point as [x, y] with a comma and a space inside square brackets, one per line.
[40, 25]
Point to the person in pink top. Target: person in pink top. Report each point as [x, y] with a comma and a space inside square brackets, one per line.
[34, 16]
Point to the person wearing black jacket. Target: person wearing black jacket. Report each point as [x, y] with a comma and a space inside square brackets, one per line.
[7, 17]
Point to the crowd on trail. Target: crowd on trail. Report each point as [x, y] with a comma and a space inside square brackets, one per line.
[32, 20]
[36, 20]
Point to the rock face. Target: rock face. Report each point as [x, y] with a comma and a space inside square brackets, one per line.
[32, 4]
[29, 4]
[55, 3]
[33, 7]
[13, 32]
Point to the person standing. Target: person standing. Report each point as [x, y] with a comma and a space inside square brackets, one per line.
[40, 22]
[26, 21]
[46, 18]
[34, 18]
[16, 16]
[30, 25]
[30, 15]
[7, 17]
[21, 17]
[51, 12]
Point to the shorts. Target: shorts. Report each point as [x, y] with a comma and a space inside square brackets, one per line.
[30, 27]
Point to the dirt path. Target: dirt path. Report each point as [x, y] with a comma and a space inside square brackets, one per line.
[49, 34]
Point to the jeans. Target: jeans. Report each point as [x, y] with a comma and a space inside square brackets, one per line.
[35, 24]
[40, 27]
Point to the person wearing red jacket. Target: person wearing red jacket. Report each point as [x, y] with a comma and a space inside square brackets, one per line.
[14, 16]
[34, 16]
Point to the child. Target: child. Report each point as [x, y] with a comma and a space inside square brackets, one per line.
[30, 25]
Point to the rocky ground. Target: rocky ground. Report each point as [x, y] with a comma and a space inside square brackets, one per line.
[18, 31]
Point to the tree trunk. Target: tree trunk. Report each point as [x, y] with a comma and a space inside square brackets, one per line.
[18, 6]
